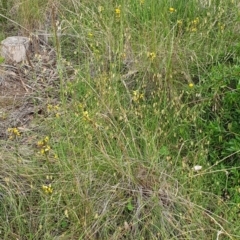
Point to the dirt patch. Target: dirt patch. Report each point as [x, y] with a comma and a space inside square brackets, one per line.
[12, 99]
[25, 87]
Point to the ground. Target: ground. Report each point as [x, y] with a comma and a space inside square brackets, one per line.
[20, 87]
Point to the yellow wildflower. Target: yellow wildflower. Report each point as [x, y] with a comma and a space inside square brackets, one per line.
[191, 85]
[14, 133]
[43, 145]
[117, 12]
[40, 143]
[123, 55]
[90, 34]
[86, 115]
[53, 109]
[195, 21]
[100, 8]
[80, 105]
[221, 27]
[137, 96]
[47, 189]
[49, 177]
[45, 149]
[172, 10]
[49, 107]
[56, 107]
[193, 29]
[151, 55]
[179, 22]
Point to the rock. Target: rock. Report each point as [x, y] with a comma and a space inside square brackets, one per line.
[15, 48]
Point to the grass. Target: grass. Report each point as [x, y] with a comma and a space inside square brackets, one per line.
[152, 91]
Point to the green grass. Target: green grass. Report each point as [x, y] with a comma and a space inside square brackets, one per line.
[154, 93]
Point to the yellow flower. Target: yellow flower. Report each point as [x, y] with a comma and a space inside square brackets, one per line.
[56, 107]
[90, 34]
[14, 132]
[47, 148]
[40, 143]
[100, 8]
[43, 145]
[195, 21]
[123, 55]
[52, 108]
[86, 115]
[151, 55]
[47, 189]
[191, 85]
[137, 96]
[172, 10]
[135, 93]
[141, 96]
[221, 27]
[179, 22]
[49, 107]
[117, 12]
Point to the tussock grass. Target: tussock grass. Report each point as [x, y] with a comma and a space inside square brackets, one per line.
[115, 153]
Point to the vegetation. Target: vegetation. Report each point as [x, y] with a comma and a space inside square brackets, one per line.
[140, 140]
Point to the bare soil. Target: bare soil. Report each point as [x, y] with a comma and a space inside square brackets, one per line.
[24, 88]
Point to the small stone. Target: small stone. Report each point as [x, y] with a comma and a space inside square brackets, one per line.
[197, 168]
[15, 48]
